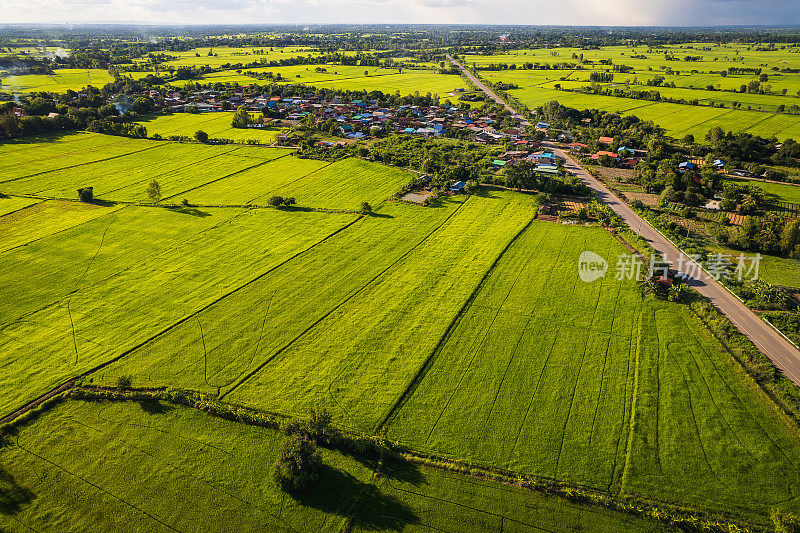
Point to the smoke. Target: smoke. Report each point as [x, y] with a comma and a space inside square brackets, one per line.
[123, 104]
[59, 53]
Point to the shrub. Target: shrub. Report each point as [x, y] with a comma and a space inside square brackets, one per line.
[124, 382]
[86, 194]
[366, 209]
[298, 465]
[185, 202]
[289, 202]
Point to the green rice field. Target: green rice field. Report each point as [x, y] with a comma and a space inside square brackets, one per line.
[460, 330]
[217, 125]
[61, 81]
[120, 169]
[52, 479]
[782, 192]
[694, 80]
[351, 78]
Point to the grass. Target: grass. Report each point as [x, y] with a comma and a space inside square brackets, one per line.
[351, 78]
[782, 192]
[772, 269]
[121, 278]
[211, 471]
[217, 125]
[10, 204]
[61, 81]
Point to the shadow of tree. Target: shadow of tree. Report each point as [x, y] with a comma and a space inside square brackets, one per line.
[189, 211]
[374, 510]
[12, 495]
[154, 407]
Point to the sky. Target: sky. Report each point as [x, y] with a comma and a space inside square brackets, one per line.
[532, 12]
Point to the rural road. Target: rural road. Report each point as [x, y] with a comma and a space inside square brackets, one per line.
[488, 91]
[783, 353]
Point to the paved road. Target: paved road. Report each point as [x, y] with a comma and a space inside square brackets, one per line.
[783, 353]
[488, 91]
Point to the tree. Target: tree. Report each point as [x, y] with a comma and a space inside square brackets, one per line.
[688, 139]
[142, 105]
[298, 465]
[86, 194]
[241, 118]
[201, 136]
[154, 191]
[366, 209]
[790, 239]
[275, 201]
[318, 425]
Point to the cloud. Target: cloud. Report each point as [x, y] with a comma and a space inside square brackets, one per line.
[536, 12]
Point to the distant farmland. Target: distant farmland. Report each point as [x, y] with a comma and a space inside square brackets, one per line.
[698, 79]
[61, 81]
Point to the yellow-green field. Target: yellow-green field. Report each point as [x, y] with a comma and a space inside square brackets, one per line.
[756, 113]
[217, 125]
[61, 81]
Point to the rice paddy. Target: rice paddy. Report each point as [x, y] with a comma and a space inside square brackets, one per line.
[461, 330]
[763, 113]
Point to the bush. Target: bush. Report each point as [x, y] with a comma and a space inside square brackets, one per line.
[298, 465]
[86, 194]
[366, 209]
[278, 201]
[124, 382]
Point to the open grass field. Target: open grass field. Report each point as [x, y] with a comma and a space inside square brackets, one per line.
[60, 82]
[772, 269]
[694, 80]
[209, 471]
[217, 125]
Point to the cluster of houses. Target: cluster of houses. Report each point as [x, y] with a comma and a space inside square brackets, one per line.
[546, 162]
[624, 156]
[356, 118]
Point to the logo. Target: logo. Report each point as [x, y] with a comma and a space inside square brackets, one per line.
[591, 266]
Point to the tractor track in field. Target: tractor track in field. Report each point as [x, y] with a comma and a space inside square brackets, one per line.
[165, 330]
[344, 301]
[426, 364]
[82, 164]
